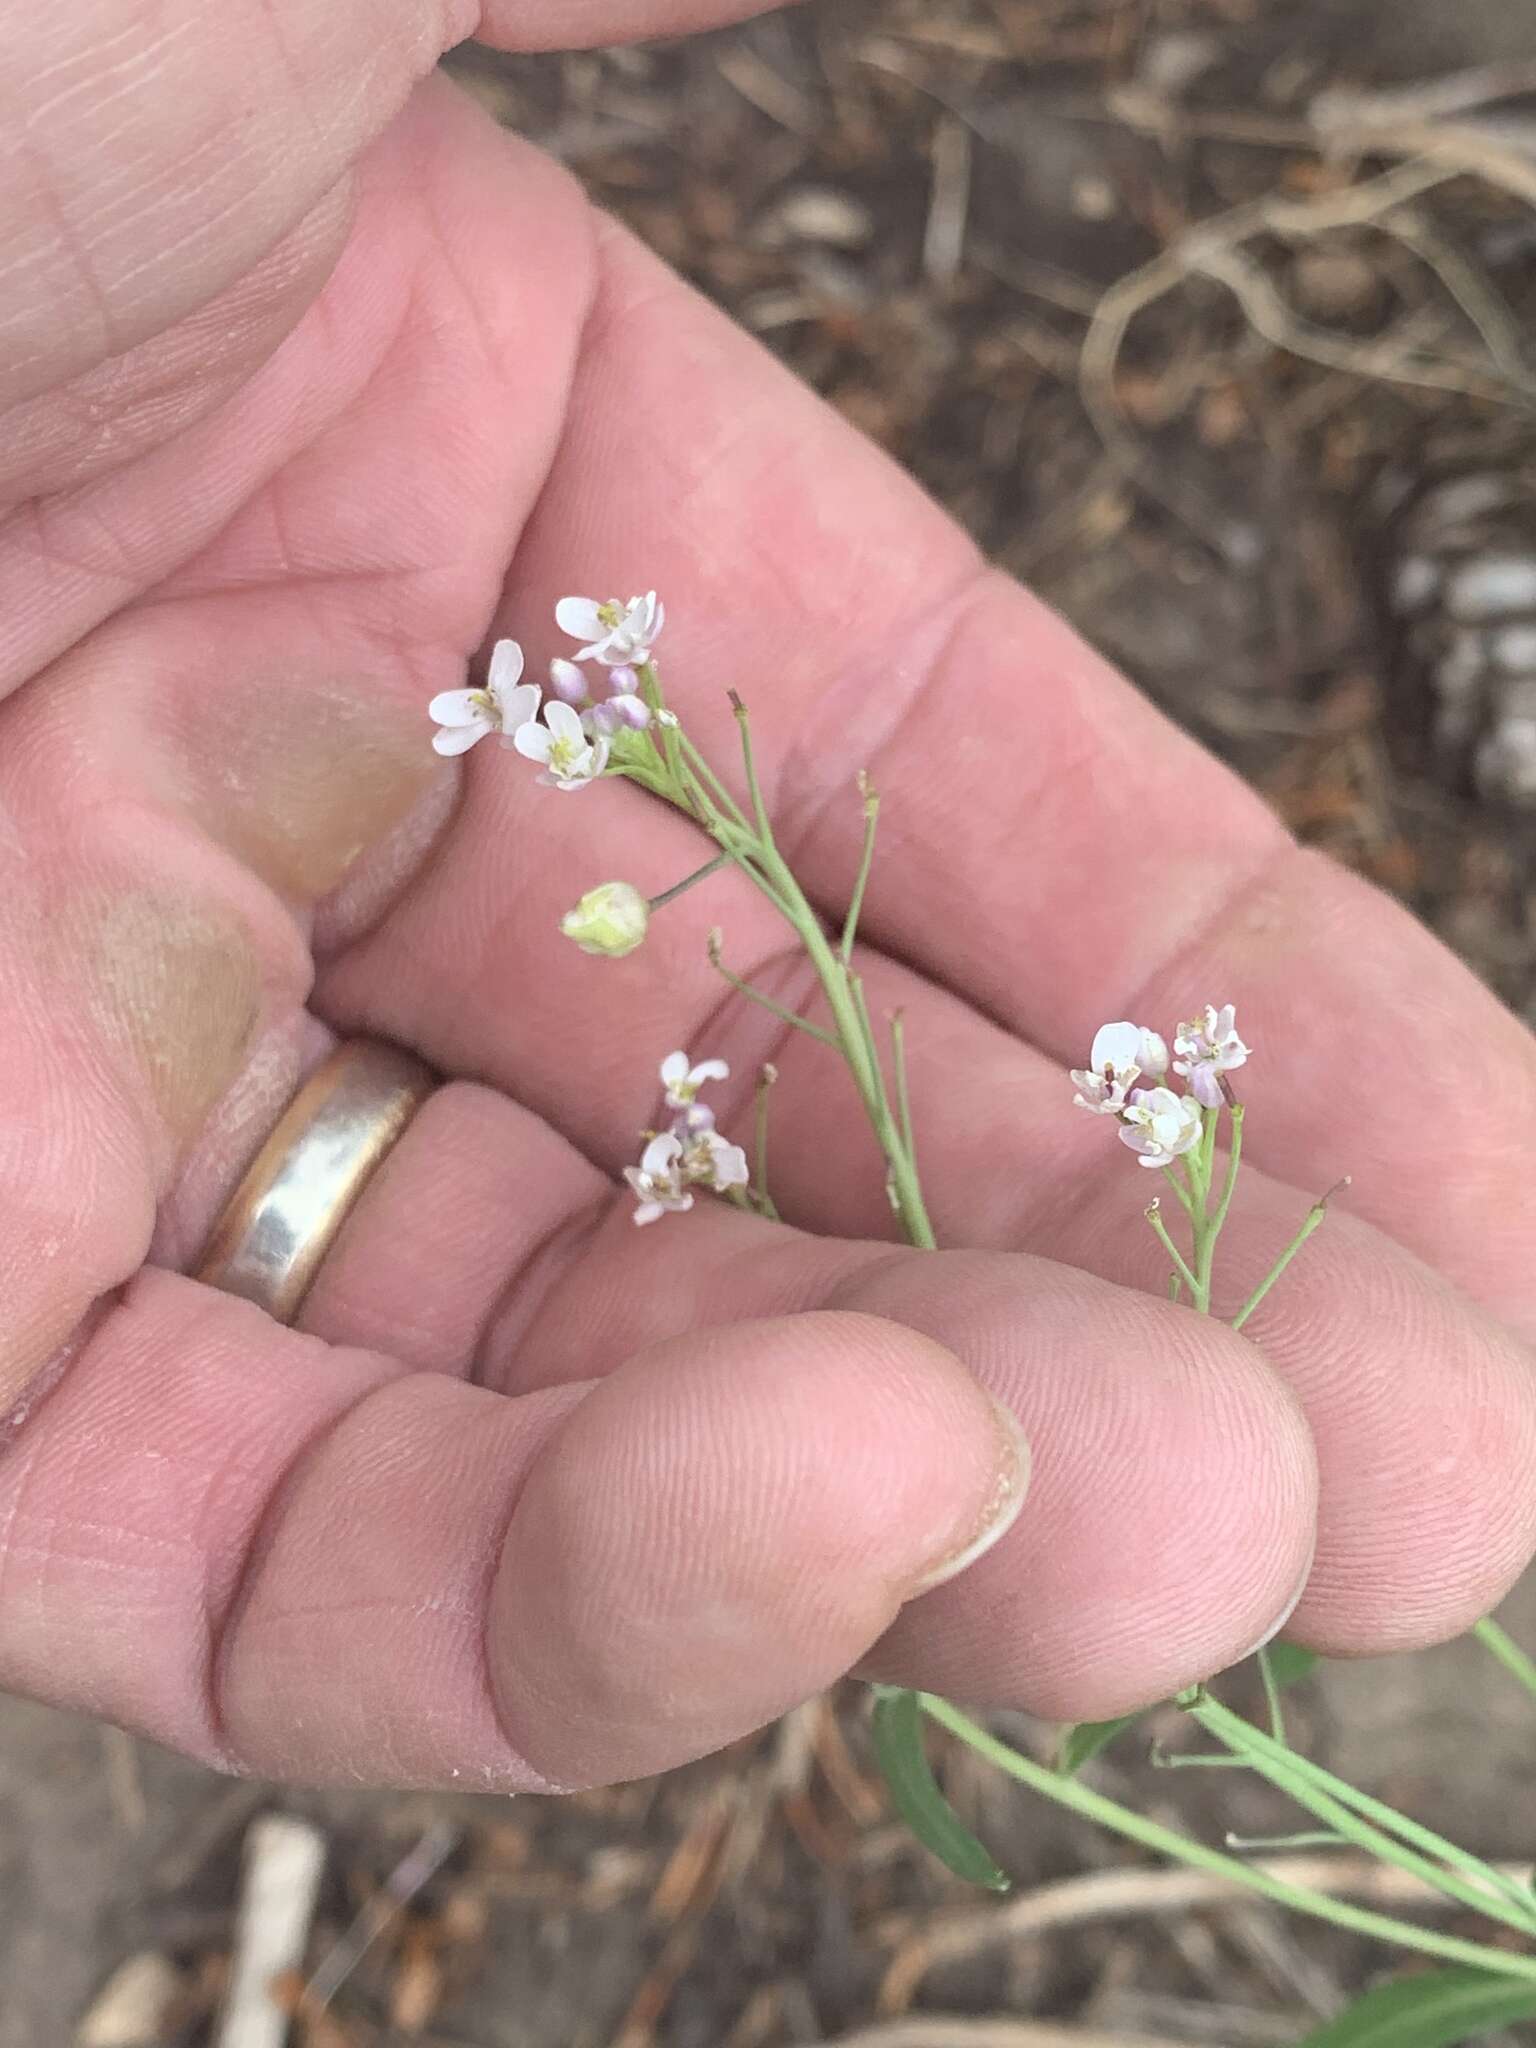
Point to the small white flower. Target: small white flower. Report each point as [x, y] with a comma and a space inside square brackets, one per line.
[1122, 1054]
[683, 1081]
[502, 706]
[658, 1179]
[1160, 1125]
[708, 1161]
[1207, 1048]
[569, 758]
[616, 634]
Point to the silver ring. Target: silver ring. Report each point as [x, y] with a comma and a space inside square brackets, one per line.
[282, 1219]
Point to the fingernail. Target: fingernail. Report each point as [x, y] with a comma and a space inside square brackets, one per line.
[1283, 1617]
[999, 1512]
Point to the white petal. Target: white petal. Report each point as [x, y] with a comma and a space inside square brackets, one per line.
[710, 1070]
[1115, 1045]
[506, 666]
[563, 719]
[578, 616]
[649, 1212]
[458, 739]
[658, 1157]
[1153, 1056]
[457, 707]
[533, 742]
[730, 1164]
[519, 706]
[594, 767]
[674, 1068]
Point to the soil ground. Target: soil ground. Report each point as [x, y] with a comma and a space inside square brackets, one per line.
[931, 208]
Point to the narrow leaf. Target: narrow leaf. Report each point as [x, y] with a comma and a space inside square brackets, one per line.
[898, 1731]
[1435, 2009]
[1081, 1743]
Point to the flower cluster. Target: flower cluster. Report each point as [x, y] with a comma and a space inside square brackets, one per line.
[1157, 1122]
[690, 1153]
[573, 743]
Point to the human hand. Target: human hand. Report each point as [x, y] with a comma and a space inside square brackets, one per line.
[314, 378]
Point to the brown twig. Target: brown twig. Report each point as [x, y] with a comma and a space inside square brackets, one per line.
[1128, 1893]
[944, 2030]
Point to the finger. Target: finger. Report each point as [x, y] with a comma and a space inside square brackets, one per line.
[1110, 1583]
[163, 157]
[198, 183]
[1053, 848]
[179, 789]
[1422, 1419]
[1171, 1515]
[1423, 1414]
[348, 1571]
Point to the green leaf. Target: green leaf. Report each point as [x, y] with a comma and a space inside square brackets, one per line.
[1081, 1743]
[1435, 2009]
[1289, 1662]
[898, 1730]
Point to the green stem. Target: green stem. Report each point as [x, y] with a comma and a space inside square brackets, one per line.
[710, 867]
[903, 1095]
[1229, 1185]
[766, 1002]
[668, 737]
[1108, 1813]
[1185, 1198]
[1154, 1216]
[1315, 1216]
[767, 1075]
[1508, 1652]
[1272, 1697]
[1370, 1824]
[1203, 1223]
[710, 781]
[848, 1015]
[861, 880]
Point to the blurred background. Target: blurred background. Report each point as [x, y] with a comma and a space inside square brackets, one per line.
[1209, 319]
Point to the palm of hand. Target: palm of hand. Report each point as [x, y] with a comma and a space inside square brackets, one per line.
[444, 1533]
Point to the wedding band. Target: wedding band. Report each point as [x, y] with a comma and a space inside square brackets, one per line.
[282, 1219]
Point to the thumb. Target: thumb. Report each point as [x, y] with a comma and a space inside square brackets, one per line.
[352, 1573]
[192, 144]
[727, 1525]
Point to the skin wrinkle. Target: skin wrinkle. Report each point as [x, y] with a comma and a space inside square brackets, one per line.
[222, 1616]
[130, 404]
[171, 244]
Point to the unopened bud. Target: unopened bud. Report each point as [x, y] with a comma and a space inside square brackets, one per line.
[610, 919]
[567, 681]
